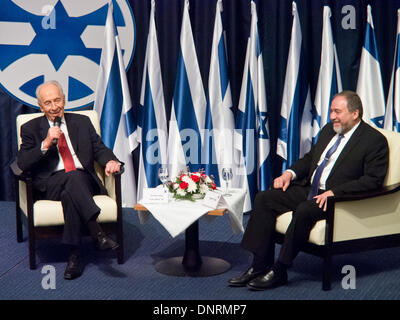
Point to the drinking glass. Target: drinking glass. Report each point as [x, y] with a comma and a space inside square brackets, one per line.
[227, 175]
[163, 175]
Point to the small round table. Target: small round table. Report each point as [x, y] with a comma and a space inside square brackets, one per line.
[191, 264]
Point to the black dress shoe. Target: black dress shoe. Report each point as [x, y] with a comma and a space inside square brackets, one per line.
[74, 267]
[244, 278]
[105, 243]
[268, 281]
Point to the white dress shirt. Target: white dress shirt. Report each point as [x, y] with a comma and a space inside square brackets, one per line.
[64, 129]
[334, 156]
[332, 159]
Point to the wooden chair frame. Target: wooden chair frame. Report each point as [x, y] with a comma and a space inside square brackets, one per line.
[49, 232]
[331, 247]
[24, 180]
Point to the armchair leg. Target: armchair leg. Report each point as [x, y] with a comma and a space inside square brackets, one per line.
[120, 228]
[120, 254]
[19, 225]
[326, 273]
[32, 252]
[120, 240]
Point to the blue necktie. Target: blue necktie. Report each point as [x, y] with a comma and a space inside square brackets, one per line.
[317, 176]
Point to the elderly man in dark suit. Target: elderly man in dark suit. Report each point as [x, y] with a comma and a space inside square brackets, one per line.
[60, 157]
[349, 157]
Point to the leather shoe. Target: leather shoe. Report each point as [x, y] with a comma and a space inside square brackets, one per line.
[74, 267]
[105, 243]
[244, 278]
[268, 281]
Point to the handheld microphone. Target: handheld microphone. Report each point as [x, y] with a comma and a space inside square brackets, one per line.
[57, 123]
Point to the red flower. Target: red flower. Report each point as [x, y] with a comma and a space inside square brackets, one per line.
[183, 185]
[213, 186]
[195, 178]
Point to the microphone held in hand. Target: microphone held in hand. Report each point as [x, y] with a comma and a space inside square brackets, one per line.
[57, 123]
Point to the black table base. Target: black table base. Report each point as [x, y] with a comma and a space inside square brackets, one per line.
[192, 264]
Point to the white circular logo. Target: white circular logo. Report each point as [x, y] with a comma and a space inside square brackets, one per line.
[59, 40]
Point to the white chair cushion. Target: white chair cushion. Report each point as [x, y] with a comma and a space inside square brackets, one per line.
[50, 213]
[317, 234]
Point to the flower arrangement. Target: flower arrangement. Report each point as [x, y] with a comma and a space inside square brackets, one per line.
[191, 185]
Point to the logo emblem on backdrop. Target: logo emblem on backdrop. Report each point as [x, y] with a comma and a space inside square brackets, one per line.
[43, 40]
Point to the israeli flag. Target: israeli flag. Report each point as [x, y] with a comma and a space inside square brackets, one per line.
[369, 84]
[294, 138]
[329, 79]
[252, 133]
[153, 135]
[220, 122]
[113, 104]
[186, 126]
[392, 115]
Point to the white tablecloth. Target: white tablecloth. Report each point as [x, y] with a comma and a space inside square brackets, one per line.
[177, 215]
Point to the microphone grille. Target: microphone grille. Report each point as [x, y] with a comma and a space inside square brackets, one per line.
[57, 121]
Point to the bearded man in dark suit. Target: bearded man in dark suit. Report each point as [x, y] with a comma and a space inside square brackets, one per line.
[73, 181]
[349, 157]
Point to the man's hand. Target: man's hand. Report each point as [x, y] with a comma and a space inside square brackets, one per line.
[53, 133]
[283, 181]
[322, 199]
[112, 166]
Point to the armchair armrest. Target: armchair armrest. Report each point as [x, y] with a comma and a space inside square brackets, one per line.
[366, 195]
[112, 183]
[121, 170]
[18, 173]
[376, 215]
[23, 190]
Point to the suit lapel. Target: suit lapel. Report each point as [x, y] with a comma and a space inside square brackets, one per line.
[323, 141]
[44, 127]
[73, 131]
[355, 138]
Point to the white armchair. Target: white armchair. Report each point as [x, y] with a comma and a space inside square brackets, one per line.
[44, 218]
[358, 222]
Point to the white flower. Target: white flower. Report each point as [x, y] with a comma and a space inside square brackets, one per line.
[192, 186]
[203, 188]
[186, 179]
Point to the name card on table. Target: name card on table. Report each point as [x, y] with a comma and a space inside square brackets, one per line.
[155, 195]
[212, 199]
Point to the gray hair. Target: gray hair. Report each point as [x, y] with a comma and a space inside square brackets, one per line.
[353, 101]
[53, 82]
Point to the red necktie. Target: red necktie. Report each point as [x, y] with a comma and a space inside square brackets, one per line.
[66, 155]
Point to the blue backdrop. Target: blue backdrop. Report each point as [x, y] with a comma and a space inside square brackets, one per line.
[275, 22]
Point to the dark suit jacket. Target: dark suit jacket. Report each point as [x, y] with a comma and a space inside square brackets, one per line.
[86, 142]
[361, 166]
